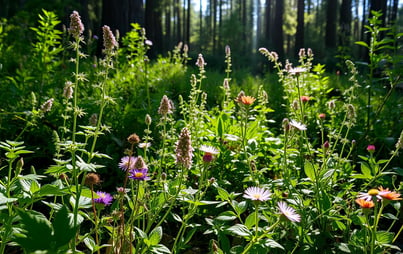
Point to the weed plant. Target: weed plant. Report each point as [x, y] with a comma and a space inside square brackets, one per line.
[285, 167]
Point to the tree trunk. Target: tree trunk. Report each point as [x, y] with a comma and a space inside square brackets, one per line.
[299, 37]
[345, 23]
[119, 14]
[278, 42]
[331, 17]
[153, 25]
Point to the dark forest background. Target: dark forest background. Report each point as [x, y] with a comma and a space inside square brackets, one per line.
[329, 27]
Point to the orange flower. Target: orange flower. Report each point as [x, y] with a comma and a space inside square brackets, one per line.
[387, 194]
[247, 100]
[364, 203]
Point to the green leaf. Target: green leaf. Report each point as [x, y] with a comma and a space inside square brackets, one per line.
[239, 207]
[222, 193]
[384, 237]
[63, 228]
[160, 248]
[239, 230]
[155, 236]
[51, 190]
[366, 170]
[362, 43]
[5, 200]
[309, 170]
[226, 216]
[250, 220]
[270, 243]
[38, 231]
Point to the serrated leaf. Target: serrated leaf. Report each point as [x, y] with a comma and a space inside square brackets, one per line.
[38, 231]
[63, 228]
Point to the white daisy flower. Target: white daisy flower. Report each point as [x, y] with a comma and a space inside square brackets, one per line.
[256, 193]
[297, 125]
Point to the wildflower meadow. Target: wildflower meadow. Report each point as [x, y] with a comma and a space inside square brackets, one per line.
[114, 153]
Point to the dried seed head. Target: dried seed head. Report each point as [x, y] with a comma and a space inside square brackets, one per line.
[92, 179]
[133, 139]
[140, 163]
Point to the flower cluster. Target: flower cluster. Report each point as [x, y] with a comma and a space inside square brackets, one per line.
[76, 26]
[184, 150]
[367, 199]
[109, 39]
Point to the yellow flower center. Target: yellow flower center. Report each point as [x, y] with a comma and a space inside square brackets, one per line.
[373, 192]
[257, 196]
[138, 174]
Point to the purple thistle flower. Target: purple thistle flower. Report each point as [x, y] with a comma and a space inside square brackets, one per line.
[103, 198]
[139, 174]
[127, 163]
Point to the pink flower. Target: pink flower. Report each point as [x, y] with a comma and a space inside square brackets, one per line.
[305, 98]
[288, 212]
[127, 163]
[371, 148]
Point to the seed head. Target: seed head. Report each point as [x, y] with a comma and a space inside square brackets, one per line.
[133, 139]
[92, 179]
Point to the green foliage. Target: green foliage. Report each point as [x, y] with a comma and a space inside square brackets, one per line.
[296, 136]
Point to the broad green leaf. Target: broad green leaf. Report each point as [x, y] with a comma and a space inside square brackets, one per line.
[270, 243]
[240, 230]
[222, 193]
[240, 207]
[366, 170]
[5, 200]
[362, 43]
[226, 216]
[309, 170]
[63, 228]
[155, 236]
[251, 220]
[384, 237]
[159, 249]
[38, 231]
